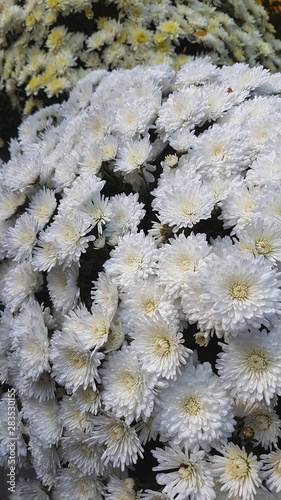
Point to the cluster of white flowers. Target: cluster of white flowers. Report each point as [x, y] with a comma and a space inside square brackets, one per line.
[140, 287]
[46, 46]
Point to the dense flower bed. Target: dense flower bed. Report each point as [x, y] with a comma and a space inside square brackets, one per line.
[46, 46]
[141, 246]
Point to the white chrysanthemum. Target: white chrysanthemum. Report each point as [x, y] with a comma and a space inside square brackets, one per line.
[263, 131]
[183, 202]
[86, 457]
[45, 461]
[196, 72]
[27, 173]
[90, 327]
[120, 442]
[42, 206]
[9, 203]
[31, 488]
[269, 203]
[44, 256]
[70, 486]
[144, 298]
[239, 291]
[134, 257]
[191, 477]
[116, 337]
[128, 389]
[178, 257]
[19, 283]
[271, 470]
[96, 210]
[194, 409]
[132, 155]
[184, 108]
[194, 308]
[109, 148]
[30, 342]
[66, 167]
[105, 294]
[126, 214]
[237, 207]
[70, 417]
[42, 389]
[144, 430]
[266, 168]
[63, 288]
[118, 489]
[266, 426]
[133, 118]
[250, 368]
[132, 160]
[220, 99]
[20, 239]
[237, 472]
[91, 160]
[82, 190]
[241, 77]
[159, 345]
[97, 123]
[69, 237]
[47, 429]
[220, 187]
[87, 400]
[182, 140]
[262, 493]
[261, 237]
[224, 149]
[73, 364]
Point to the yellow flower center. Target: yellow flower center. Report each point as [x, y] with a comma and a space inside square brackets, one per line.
[171, 161]
[262, 422]
[239, 291]
[249, 204]
[78, 360]
[238, 468]
[188, 209]
[169, 27]
[128, 381]
[256, 361]
[186, 472]
[218, 152]
[99, 331]
[131, 261]
[141, 37]
[149, 306]
[162, 346]
[263, 246]
[117, 431]
[192, 406]
[185, 264]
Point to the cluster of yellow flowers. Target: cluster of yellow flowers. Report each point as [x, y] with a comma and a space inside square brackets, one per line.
[47, 45]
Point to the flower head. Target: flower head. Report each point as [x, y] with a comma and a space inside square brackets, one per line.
[237, 472]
